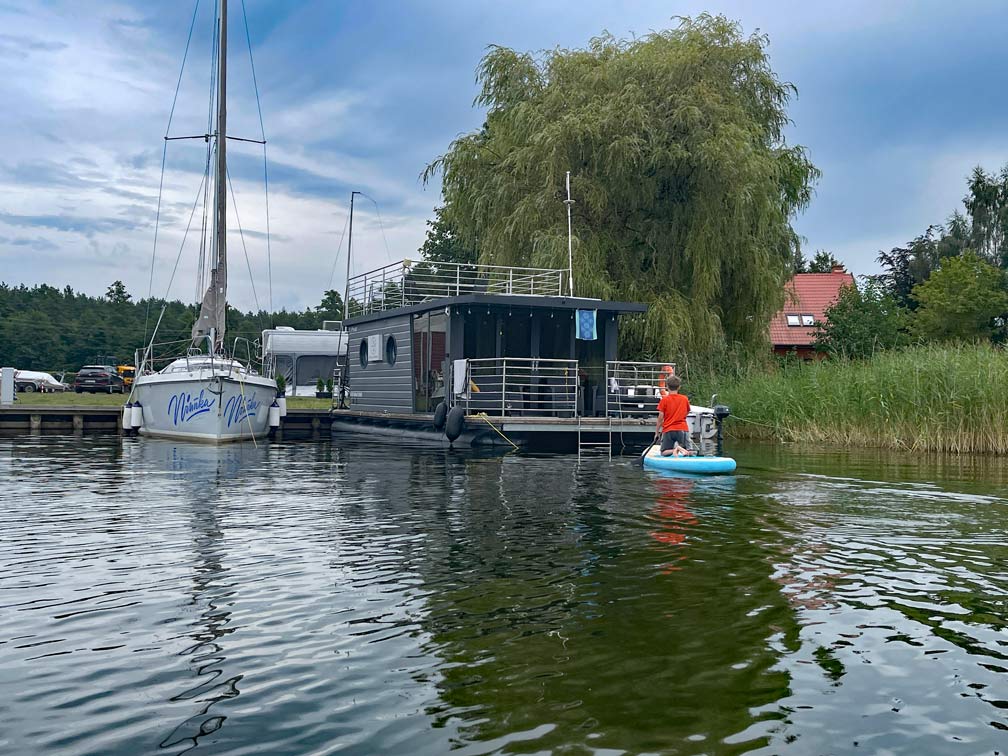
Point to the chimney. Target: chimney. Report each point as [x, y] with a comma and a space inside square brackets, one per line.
[838, 268]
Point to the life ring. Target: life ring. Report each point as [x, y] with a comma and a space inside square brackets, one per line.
[440, 414]
[454, 422]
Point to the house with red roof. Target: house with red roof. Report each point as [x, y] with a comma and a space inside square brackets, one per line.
[809, 295]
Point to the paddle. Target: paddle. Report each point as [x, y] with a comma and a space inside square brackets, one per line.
[640, 460]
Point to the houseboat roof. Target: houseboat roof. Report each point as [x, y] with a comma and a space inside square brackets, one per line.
[410, 286]
[502, 300]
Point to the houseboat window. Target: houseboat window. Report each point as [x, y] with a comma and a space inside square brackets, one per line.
[555, 341]
[429, 357]
[517, 335]
[390, 350]
[479, 335]
[808, 320]
[363, 353]
[792, 320]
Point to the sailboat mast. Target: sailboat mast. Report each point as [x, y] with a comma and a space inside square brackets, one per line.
[220, 291]
[349, 246]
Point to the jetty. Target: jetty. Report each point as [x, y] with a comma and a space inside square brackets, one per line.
[20, 419]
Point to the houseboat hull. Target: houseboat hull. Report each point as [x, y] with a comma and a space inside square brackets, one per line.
[212, 409]
[533, 434]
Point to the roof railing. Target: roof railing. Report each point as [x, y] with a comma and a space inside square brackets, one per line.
[410, 282]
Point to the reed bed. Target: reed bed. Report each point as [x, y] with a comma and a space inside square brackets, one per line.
[925, 398]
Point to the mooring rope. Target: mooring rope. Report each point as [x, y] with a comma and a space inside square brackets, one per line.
[499, 432]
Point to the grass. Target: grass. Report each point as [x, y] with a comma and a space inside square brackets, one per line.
[72, 399]
[925, 398]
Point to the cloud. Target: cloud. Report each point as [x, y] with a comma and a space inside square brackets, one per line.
[894, 105]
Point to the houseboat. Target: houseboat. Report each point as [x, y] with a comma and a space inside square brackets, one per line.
[476, 355]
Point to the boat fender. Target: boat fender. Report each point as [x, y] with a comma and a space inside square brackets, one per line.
[440, 415]
[282, 402]
[137, 416]
[274, 415]
[454, 422]
[127, 417]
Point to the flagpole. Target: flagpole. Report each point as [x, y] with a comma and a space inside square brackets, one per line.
[570, 245]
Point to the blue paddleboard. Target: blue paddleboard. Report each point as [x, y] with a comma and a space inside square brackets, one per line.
[691, 465]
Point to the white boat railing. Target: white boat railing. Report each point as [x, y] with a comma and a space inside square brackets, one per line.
[160, 355]
[411, 282]
[519, 387]
[634, 388]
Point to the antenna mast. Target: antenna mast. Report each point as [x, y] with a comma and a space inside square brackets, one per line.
[570, 245]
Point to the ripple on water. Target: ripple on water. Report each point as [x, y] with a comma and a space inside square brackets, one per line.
[295, 598]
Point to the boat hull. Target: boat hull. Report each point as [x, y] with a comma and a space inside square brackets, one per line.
[211, 408]
[689, 465]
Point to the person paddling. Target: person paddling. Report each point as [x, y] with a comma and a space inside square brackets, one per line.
[671, 427]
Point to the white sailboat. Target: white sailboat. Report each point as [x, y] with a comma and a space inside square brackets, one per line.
[207, 395]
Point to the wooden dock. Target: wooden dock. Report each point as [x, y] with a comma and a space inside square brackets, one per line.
[20, 419]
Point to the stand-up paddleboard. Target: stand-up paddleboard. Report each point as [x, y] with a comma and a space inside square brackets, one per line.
[692, 465]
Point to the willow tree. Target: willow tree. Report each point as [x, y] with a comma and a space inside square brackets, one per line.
[683, 183]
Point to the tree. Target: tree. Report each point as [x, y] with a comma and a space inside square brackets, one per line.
[683, 182]
[906, 267]
[987, 205]
[331, 307]
[117, 293]
[861, 322]
[823, 262]
[960, 300]
[443, 244]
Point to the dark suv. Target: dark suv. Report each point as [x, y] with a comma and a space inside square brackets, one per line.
[102, 378]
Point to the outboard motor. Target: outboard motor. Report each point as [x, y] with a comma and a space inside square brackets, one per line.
[721, 411]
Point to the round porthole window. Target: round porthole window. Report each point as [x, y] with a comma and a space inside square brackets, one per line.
[390, 350]
[363, 353]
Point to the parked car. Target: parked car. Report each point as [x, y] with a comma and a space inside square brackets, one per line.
[29, 381]
[95, 378]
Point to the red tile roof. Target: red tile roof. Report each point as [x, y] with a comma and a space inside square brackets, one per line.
[807, 294]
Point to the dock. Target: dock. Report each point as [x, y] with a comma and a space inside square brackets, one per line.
[64, 419]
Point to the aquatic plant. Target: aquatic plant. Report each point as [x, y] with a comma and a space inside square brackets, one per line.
[941, 398]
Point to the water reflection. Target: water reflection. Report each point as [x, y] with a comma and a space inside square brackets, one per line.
[298, 598]
[197, 472]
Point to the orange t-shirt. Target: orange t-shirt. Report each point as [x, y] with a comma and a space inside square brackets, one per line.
[674, 408]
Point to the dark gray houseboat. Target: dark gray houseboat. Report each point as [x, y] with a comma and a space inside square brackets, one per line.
[486, 355]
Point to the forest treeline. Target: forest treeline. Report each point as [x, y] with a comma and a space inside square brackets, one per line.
[46, 328]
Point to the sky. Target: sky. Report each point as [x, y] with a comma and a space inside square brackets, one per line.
[896, 103]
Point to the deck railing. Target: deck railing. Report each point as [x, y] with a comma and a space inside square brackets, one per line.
[633, 388]
[519, 387]
[411, 282]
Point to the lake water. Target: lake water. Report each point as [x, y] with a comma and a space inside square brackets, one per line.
[306, 598]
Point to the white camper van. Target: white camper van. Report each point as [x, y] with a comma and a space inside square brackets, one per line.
[302, 357]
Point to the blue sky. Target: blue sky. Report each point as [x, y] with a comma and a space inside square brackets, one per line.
[897, 102]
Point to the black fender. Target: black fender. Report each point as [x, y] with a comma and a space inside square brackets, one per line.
[440, 415]
[454, 422]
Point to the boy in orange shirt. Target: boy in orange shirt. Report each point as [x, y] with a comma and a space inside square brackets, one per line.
[672, 426]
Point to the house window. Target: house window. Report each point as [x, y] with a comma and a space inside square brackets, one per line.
[793, 320]
[363, 355]
[808, 320]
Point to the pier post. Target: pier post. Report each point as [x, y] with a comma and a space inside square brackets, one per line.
[78, 425]
[316, 424]
[35, 424]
